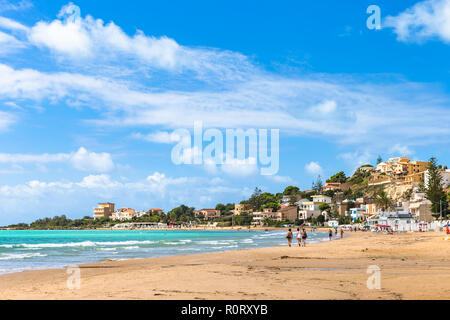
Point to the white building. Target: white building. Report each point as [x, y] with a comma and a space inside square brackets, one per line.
[126, 214]
[397, 221]
[259, 217]
[445, 178]
[356, 213]
[300, 202]
[332, 223]
[309, 209]
[286, 200]
[419, 207]
[321, 199]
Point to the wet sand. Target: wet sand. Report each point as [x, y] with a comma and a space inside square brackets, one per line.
[413, 266]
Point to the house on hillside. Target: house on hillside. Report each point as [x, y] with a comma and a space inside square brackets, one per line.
[397, 221]
[124, 214]
[309, 209]
[399, 170]
[419, 207]
[322, 199]
[104, 210]
[207, 214]
[358, 213]
[286, 200]
[259, 217]
[242, 209]
[156, 211]
[342, 207]
[287, 214]
[445, 174]
[333, 186]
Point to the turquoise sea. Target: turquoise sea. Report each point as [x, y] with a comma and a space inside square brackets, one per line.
[25, 250]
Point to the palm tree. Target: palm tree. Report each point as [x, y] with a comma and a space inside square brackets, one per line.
[383, 201]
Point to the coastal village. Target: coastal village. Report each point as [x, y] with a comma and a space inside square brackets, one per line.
[389, 196]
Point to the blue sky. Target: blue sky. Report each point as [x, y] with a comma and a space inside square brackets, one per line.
[91, 91]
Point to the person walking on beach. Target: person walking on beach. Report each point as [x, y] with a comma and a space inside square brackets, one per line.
[330, 234]
[289, 237]
[304, 236]
[447, 230]
[299, 237]
[342, 233]
[335, 232]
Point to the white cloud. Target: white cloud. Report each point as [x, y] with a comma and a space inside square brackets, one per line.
[158, 137]
[325, 107]
[281, 179]
[12, 105]
[13, 169]
[7, 5]
[357, 158]
[240, 168]
[102, 181]
[78, 198]
[260, 103]
[225, 91]
[402, 150]
[313, 168]
[79, 38]
[82, 159]
[425, 20]
[6, 120]
[13, 25]
[91, 161]
[157, 177]
[8, 43]
[66, 38]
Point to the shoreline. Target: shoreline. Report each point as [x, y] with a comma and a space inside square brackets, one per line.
[309, 229]
[413, 266]
[63, 266]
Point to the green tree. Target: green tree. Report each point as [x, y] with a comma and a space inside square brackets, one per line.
[243, 220]
[379, 160]
[383, 201]
[255, 200]
[338, 177]
[176, 213]
[321, 219]
[344, 220]
[330, 193]
[225, 209]
[324, 207]
[291, 190]
[317, 185]
[433, 189]
[292, 199]
[348, 193]
[357, 194]
[268, 200]
[274, 205]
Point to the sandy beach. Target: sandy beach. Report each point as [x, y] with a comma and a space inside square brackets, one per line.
[413, 266]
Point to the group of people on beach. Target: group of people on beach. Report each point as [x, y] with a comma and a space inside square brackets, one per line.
[302, 235]
[330, 233]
